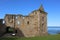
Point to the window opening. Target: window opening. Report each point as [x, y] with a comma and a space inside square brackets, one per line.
[27, 22]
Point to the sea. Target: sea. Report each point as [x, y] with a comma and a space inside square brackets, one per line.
[53, 30]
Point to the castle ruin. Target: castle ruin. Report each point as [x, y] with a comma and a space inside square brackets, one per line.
[35, 24]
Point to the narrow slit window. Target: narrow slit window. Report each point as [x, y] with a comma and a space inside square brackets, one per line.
[27, 22]
[42, 27]
[42, 18]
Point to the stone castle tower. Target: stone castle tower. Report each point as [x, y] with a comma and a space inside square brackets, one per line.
[35, 24]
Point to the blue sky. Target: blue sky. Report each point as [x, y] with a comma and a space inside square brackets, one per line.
[24, 7]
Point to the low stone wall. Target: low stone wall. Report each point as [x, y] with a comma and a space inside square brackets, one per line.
[2, 30]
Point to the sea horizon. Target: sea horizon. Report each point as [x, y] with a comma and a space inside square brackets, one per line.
[53, 29]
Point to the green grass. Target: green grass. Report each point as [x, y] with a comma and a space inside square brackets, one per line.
[49, 37]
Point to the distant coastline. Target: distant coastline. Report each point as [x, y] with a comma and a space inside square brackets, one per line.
[53, 29]
[53, 26]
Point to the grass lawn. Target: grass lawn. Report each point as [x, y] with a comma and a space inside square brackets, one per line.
[49, 37]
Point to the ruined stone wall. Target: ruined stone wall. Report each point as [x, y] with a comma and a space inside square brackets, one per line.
[2, 28]
[28, 26]
[9, 20]
[31, 27]
[40, 19]
[35, 24]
